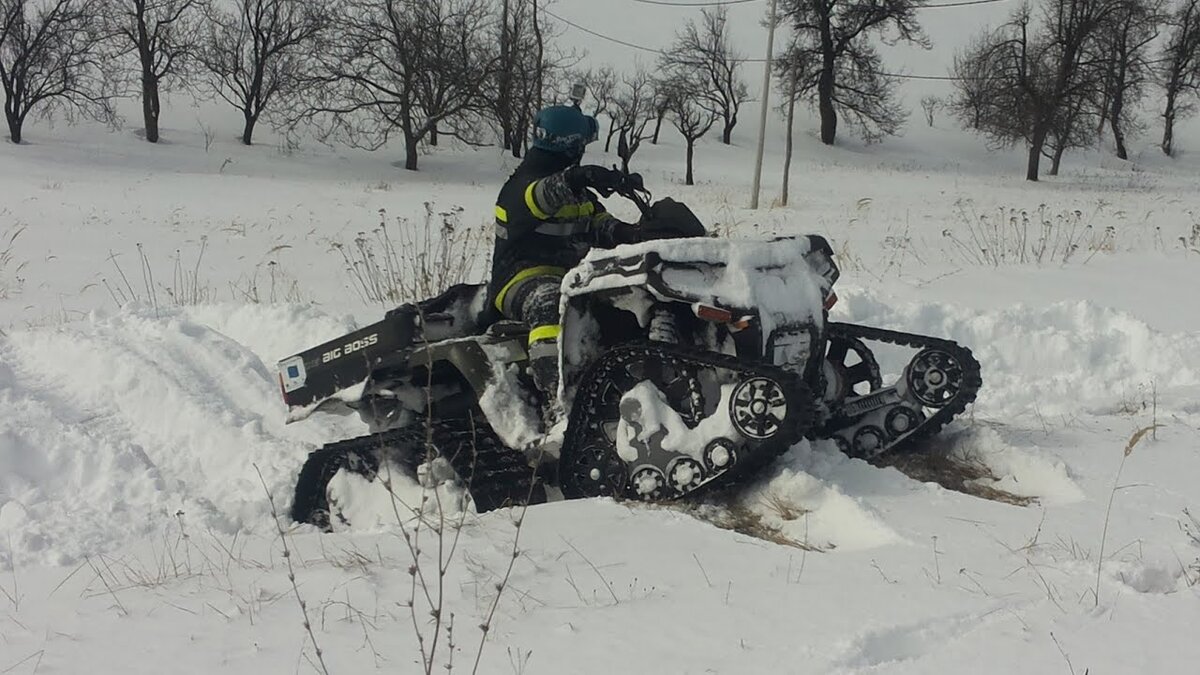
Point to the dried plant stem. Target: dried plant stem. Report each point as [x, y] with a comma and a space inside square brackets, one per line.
[287, 557]
[1133, 441]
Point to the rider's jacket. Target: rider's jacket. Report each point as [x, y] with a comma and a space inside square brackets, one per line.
[543, 225]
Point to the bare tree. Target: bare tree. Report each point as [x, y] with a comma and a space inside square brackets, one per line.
[415, 67]
[602, 86]
[261, 53]
[930, 104]
[1181, 71]
[527, 70]
[972, 73]
[684, 103]
[1038, 82]
[662, 106]
[1122, 50]
[50, 59]
[842, 72]
[789, 78]
[164, 36]
[705, 51]
[633, 110]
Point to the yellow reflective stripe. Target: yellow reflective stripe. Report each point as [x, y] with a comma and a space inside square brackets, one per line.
[531, 202]
[527, 273]
[501, 214]
[576, 210]
[544, 333]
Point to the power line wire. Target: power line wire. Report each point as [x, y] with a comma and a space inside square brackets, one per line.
[711, 3]
[725, 3]
[935, 78]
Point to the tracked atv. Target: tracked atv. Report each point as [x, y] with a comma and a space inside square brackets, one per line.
[687, 364]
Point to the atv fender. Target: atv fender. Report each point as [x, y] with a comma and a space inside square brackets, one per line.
[473, 357]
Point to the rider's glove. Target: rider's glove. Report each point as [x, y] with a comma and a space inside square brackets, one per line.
[605, 181]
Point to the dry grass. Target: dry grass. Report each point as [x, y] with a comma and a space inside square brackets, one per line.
[408, 262]
[1012, 236]
[10, 270]
[187, 286]
[953, 473]
[1191, 528]
[783, 507]
[745, 520]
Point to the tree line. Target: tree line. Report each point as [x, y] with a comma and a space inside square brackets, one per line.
[363, 72]
[1054, 78]
[360, 72]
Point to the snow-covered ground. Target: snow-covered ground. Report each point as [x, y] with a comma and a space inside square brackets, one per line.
[141, 427]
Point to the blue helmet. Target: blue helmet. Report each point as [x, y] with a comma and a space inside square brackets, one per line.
[564, 130]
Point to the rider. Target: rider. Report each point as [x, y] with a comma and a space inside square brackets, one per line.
[546, 220]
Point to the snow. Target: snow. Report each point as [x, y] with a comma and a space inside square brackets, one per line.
[645, 414]
[770, 276]
[135, 530]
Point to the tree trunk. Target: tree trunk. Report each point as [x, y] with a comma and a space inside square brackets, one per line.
[15, 123]
[787, 155]
[540, 40]
[150, 106]
[829, 119]
[503, 98]
[1035, 154]
[411, 151]
[727, 132]
[691, 154]
[1169, 124]
[248, 129]
[1056, 160]
[623, 151]
[433, 136]
[612, 130]
[658, 127]
[1118, 134]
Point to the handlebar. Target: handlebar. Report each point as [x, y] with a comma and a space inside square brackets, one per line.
[633, 188]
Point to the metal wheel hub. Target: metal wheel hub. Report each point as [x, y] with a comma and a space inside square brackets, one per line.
[934, 378]
[758, 408]
[685, 474]
[649, 483]
[598, 472]
[720, 454]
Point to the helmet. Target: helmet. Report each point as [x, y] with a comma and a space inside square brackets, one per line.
[564, 130]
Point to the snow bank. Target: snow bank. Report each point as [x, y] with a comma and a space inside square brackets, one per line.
[1052, 359]
[113, 425]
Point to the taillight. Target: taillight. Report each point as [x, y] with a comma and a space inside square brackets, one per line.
[714, 314]
[831, 301]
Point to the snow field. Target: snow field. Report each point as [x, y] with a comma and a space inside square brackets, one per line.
[134, 531]
[164, 437]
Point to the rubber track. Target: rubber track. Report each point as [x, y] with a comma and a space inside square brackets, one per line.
[972, 379]
[800, 399]
[495, 475]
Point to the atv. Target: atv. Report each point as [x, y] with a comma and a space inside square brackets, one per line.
[687, 363]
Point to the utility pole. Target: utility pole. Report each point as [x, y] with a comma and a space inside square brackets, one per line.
[766, 97]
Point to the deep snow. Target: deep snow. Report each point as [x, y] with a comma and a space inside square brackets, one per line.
[136, 536]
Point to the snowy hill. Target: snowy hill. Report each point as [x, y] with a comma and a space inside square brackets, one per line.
[141, 427]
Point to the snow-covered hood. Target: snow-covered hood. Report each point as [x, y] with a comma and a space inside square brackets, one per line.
[785, 279]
